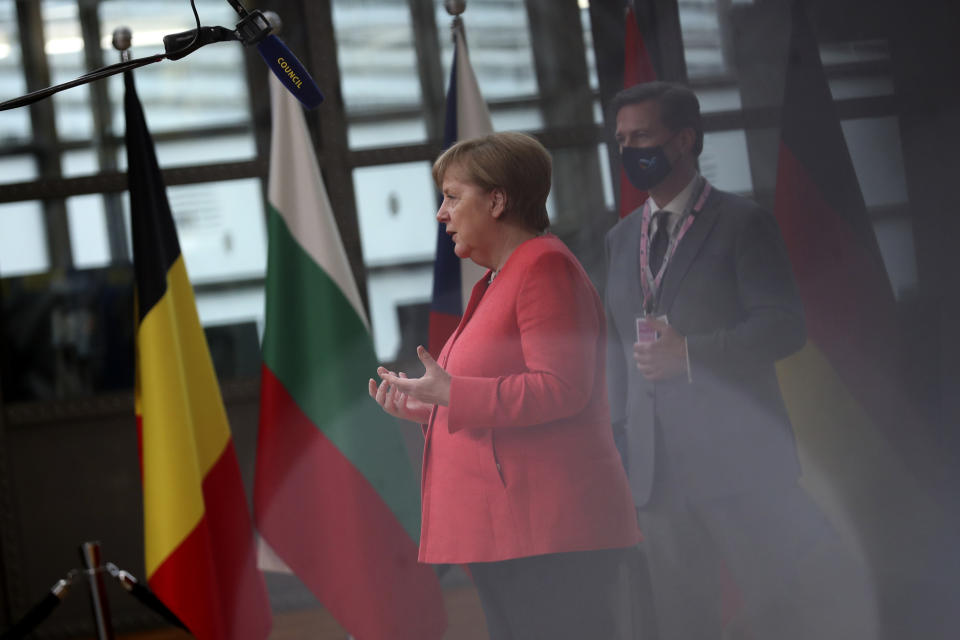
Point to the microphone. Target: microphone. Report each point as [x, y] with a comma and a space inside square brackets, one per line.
[178, 45]
[255, 28]
[292, 74]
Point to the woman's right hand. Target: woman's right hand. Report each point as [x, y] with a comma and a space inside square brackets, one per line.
[398, 404]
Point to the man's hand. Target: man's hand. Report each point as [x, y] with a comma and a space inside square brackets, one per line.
[663, 358]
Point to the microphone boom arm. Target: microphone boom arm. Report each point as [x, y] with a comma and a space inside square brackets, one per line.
[173, 44]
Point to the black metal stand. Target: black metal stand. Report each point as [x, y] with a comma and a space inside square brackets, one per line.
[93, 570]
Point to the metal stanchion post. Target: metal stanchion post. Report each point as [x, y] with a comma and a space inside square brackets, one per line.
[90, 555]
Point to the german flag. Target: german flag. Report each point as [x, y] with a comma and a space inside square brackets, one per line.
[199, 544]
[866, 453]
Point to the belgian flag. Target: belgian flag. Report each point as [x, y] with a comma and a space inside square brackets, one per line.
[866, 452]
[199, 544]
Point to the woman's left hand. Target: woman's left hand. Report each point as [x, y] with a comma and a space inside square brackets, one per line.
[433, 387]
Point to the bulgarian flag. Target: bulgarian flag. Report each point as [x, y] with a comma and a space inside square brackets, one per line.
[637, 68]
[865, 451]
[466, 117]
[199, 544]
[335, 495]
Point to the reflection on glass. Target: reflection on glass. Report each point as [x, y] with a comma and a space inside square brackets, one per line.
[725, 161]
[70, 334]
[396, 207]
[588, 45]
[23, 245]
[66, 334]
[895, 239]
[605, 178]
[860, 86]
[875, 150]
[700, 26]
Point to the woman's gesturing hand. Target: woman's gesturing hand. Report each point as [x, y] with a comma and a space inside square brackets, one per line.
[396, 403]
[412, 398]
[433, 387]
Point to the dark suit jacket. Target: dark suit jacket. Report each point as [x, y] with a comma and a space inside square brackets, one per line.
[729, 289]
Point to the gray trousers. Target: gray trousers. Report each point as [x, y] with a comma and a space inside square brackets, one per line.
[794, 577]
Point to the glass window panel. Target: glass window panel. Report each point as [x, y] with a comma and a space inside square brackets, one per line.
[876, 153]
[17, 169]
[236, 306]
[389, 289]
[700, 27]
[384, 133]
[23, 245]
[87, 222]
[846, 87]
[221, 229]
[719, 98]
[605, 178]
[175, 94]
[178, 94]
[499, 42]
[517, 119]
[14, 123]
[64, 49]
[852, 51]
[375, 50]
[396, 207]
[78, 163]
[233, 325]
[588, 44]
[895, 238]
[725, 161]
[194, 151]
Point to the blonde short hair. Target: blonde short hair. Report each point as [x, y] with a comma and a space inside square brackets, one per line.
[514, 162]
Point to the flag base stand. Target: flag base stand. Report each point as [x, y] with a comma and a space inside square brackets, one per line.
[100, 606]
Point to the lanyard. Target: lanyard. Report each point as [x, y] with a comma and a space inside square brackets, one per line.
[650, 282]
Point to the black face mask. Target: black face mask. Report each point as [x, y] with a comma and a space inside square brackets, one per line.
[646, 167]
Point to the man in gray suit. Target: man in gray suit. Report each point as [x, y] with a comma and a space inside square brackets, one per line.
[701, 303]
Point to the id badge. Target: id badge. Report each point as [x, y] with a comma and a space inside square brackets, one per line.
[647, 332]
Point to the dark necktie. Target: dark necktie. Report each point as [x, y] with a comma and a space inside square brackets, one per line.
[659, 241]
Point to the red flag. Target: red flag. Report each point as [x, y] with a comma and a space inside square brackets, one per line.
[637, 68]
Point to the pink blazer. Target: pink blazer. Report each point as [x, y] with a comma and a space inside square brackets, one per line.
[522, 461]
